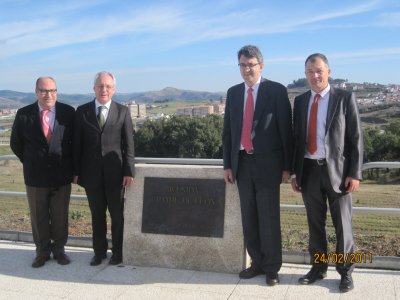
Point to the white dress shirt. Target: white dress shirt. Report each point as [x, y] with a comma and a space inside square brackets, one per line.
[321, 122]
[104, 111]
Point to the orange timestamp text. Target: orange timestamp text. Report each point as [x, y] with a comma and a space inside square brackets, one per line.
[342, 258]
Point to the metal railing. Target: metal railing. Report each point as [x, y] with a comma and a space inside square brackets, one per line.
[218, 162]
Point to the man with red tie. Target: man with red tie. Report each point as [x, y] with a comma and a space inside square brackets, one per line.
[257, 154]
[42, 140]
[328, 154]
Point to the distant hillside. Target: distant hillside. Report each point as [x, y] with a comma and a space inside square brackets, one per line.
[8, 103]
[16, 99]
[177, 95]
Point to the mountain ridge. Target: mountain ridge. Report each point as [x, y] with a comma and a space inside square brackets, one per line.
[9, 98]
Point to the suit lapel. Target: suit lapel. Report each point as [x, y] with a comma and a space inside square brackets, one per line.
[261, 101]
[238, 106]
[35, 115]
[304, 112]
[57, 117]
[56, 126]
[91, 115]
[332, 106]
[112, 115]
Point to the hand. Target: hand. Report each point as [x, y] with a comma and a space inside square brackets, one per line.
[295, 187]
[285, 176]
[228, 176]
[352, 184]
[127, 181]
[75, 179]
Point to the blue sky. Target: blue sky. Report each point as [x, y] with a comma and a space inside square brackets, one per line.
[150, 45]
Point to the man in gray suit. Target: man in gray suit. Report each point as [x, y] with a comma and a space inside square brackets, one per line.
[257, 153]
[104, 163]
[327, 163]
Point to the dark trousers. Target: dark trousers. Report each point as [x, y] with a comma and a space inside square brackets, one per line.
[49, 218]
[100, 199]
[316, 190]
[259, 202]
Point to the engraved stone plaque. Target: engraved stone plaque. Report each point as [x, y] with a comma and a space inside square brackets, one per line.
[181, 206]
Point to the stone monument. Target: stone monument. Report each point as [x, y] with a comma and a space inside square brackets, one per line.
[183, 216]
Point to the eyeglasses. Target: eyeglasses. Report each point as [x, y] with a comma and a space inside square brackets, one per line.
[44, 92]
[245, 66]
[107, 87]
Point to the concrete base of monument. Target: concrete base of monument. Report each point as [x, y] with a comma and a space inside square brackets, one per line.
[168, 225]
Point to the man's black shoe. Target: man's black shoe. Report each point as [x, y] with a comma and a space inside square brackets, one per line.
[62, 259]
[312, 276]
[39, 261]
[115, 260]
[346, 283]
[272, 278]
[250, 272]
[96, 260]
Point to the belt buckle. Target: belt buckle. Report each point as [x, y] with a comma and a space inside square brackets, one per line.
[250, 152]
[320, 162]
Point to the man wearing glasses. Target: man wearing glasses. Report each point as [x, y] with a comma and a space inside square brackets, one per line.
[257, 144]
[104, 163]
[42, 140]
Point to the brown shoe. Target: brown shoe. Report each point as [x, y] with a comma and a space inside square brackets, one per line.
[39, 261]
[250, 272]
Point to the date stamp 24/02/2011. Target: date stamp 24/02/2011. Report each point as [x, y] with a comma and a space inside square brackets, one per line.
[342, 258]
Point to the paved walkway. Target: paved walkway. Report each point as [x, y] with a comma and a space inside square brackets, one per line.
[18, 280]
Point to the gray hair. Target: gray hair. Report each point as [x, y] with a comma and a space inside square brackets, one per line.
[314, 56]
[251, 51]
[41, 78]
[104, 73]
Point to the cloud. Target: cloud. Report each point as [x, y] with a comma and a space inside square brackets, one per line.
[264, 22]
[27, 37]
[391, 19]
[168, 26]
[345, 11]
[380, 53]
[10, 31]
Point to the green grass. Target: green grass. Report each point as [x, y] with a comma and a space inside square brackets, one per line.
[378, 234]
[369, 194]
[5, 150]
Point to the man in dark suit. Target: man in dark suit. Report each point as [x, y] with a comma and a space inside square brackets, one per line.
[104, 163]
[327, 163]
[42, 140]
[257, 153]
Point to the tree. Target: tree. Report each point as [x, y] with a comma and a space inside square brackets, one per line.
[181, 136]
[301, 82]
[382, 145]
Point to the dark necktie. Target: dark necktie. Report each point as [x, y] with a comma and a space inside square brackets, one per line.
[248, 122]
[312, 126]
[100, 116]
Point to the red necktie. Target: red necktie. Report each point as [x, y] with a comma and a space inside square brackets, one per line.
[312, 126]
[45, 125]
[247, 122]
